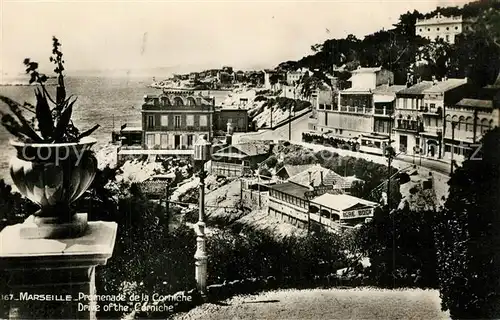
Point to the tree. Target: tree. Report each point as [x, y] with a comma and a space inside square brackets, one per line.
[413, 254]
[468, 237]
[475, 56]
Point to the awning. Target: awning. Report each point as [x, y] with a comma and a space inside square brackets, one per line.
[230, 155]
[383, 99]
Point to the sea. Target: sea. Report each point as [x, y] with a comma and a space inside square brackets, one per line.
[109, 101]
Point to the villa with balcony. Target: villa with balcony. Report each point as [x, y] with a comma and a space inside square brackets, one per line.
[441, 27]
[437, 99]
[175, 120]
[420, 115]
[352, 115]
[408, 122]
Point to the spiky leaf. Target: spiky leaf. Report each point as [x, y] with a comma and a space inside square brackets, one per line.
[9, 123]
[25, 124]
[88, 132]
[64, 121]
[44, 115]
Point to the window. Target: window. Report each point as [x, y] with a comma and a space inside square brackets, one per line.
[432, 105]
[177, 121]
[447, 28]
[447, 38]
[178, 101]
[428, 29]
[150, 140]
[190, 140]
[164, 141]
[456, 28]
[420, 29]
[151, 121]
[437, 29]
[203, 121]
[321, 106]
[164, 120]
[189, 120]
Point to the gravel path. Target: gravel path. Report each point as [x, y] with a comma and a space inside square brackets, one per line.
[364, 303]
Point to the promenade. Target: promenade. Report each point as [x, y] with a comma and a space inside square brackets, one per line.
[356, 303]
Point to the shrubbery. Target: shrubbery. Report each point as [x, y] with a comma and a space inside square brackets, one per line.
[415, 250]
[291, 260]
[147, 257]
[468, 237]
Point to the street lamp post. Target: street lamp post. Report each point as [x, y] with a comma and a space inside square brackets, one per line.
[202, 150]
[390, 154]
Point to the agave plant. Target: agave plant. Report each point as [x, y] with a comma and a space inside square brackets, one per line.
[48, 124]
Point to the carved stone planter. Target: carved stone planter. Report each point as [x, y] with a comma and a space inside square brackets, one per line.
[53, 176]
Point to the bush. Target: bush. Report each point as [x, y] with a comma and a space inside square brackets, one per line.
[256, 253]
[263, 172]
[147, 258]
[271, 162]
[14, 208]
[260, 98]
[415, 251]
[467, 237]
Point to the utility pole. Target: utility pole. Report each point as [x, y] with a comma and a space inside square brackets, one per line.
[390, 153]
[167, 205]
[271, 107]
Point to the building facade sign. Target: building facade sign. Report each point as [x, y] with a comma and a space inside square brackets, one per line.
[357, 213]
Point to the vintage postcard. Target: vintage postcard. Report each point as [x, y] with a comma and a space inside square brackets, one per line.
[250, 159]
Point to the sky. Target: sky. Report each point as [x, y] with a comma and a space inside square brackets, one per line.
[130, 35]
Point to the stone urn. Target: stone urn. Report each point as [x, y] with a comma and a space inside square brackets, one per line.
[53, 175]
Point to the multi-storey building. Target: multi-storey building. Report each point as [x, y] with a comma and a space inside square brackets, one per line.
[384, 98]
[175, 119]
[446, 28]
[419, 115]
[352, 114]
[468, 120]
[440, 96]
[293, 77]
[408, 123]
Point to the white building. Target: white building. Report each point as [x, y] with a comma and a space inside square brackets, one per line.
[293, 77]
[446, 28]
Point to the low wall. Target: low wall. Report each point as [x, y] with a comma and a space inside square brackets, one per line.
[255, 200]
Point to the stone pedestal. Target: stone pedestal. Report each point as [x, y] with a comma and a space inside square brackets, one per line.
[54, 278]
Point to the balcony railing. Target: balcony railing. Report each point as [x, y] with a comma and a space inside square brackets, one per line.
[356, 109]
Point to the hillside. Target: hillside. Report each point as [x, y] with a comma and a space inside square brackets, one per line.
[476, 54]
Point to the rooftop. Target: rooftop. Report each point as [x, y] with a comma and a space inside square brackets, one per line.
[446, 85]
[314, 175]
[251, 148]
[438, 19]
[417, 88]
[291, 189]
[294, 170]
[367, 70]
[357, 91]
[388, 90]
[475, 103]
[342, 202]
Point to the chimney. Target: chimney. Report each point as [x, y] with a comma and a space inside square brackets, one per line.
[321, 173]
[434, 81]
